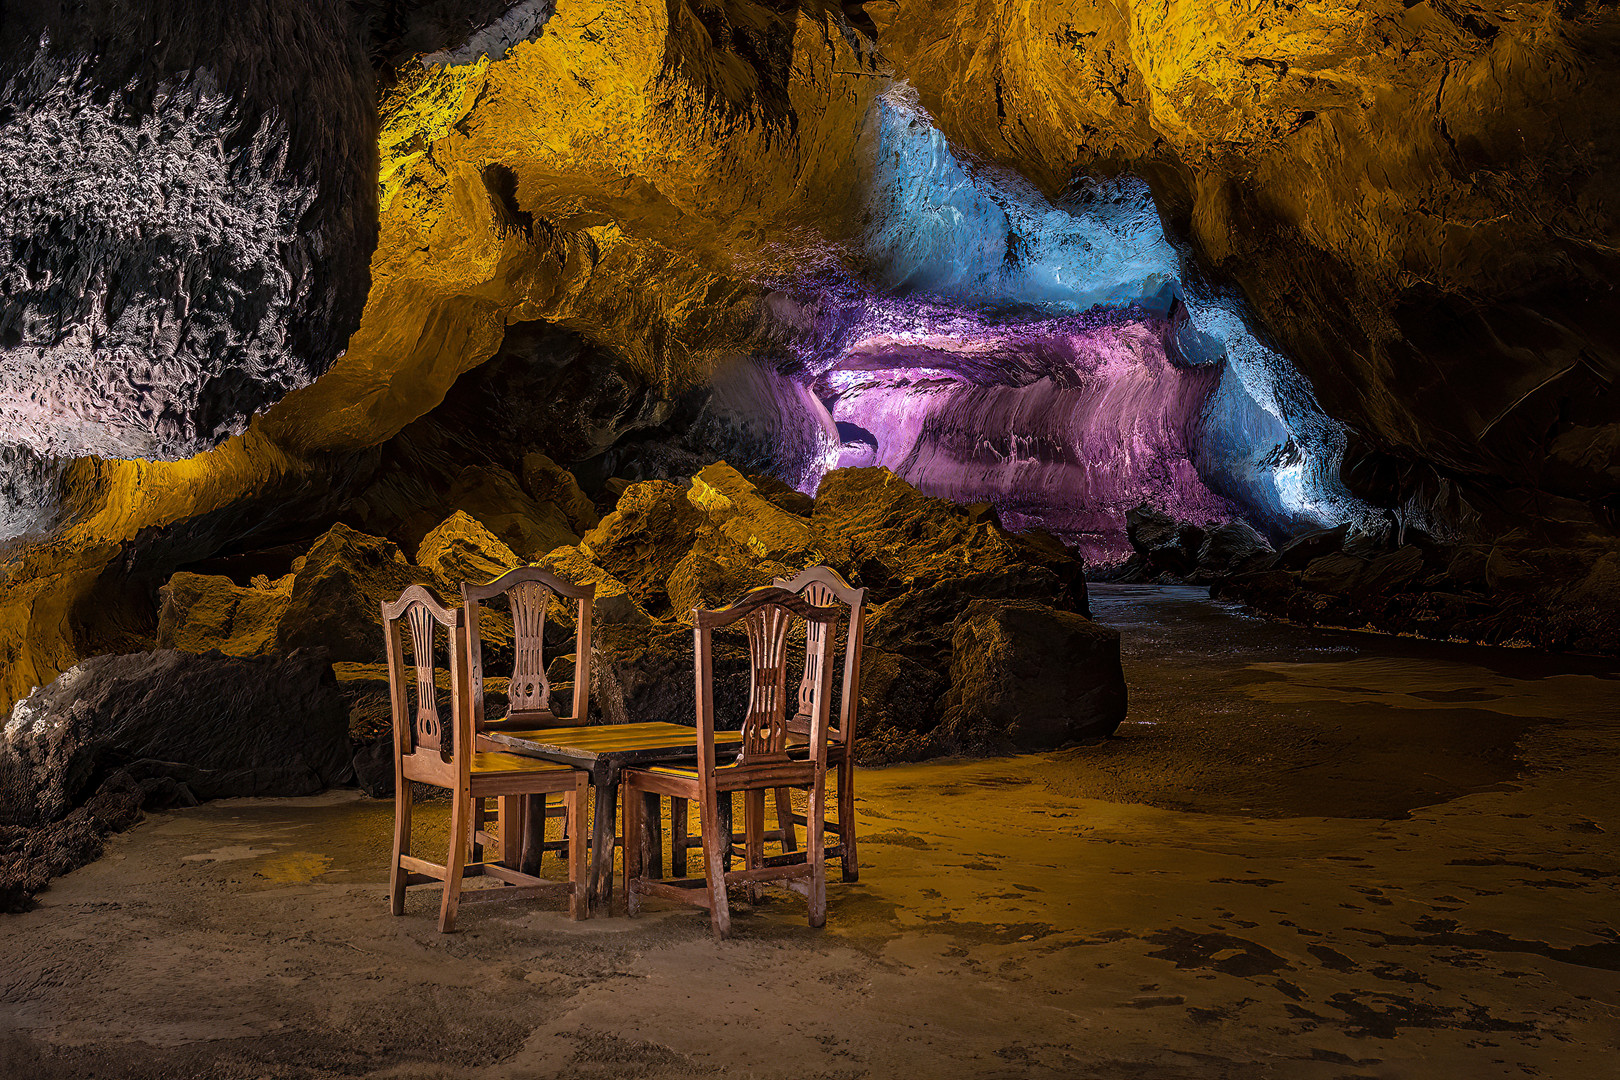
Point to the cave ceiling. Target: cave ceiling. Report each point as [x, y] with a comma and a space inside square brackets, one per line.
[1391, 224]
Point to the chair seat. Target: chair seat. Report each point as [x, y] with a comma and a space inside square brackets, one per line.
[497, 763]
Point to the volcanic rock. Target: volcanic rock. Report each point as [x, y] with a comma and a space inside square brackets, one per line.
[495, 498]
[1228, 549]
[1165, 544]
[550, 483]
[1025, 676]
[612, 603]
[199, 612]
[462, 550]
[736, 507]
[876, 528]
[1308, 547]
[337, 593]
[643, 539]
[220, 725]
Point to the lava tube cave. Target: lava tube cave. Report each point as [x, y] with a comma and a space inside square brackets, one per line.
[1128, 494]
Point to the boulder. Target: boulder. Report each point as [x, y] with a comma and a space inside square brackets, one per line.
[899, 707]
[643, 539]
[1308, 547]
[494, 496]
[613, 602]
[878, 530]
[1335, 574]
[1229, 549]
[735, 507]
[199, 612]
[1165, 544]
[702, 581]
[337, 593]
[552, 484]
[462, 549]
[1025, 676]
[1393, 571]
[220, 725]
[642, 673]
[782, 495]
[920, 623]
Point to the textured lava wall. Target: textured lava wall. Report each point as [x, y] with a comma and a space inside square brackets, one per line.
[1418, 198]
[185, 238]
[723, 194]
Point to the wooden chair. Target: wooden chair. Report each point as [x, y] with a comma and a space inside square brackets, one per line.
[822, 586]
[763, 764]
[424, 754]
[528, 591]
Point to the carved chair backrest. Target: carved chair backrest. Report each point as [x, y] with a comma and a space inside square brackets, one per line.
[420, 723]
[824, 587]
[529, 591]
[766, 614]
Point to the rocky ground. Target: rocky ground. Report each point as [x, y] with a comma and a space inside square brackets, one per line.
[1281, 867]
[1522, 588]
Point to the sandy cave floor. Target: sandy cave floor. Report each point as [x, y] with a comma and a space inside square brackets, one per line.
[1308, 854]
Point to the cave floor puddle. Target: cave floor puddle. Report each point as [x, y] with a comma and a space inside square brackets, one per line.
[1310, 854]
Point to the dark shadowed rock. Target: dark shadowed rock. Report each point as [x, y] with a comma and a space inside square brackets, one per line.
[337, 593]
[1229, 549]
[1305, 549]
[899, 708]
[550, 483]
[220, 725]
[1027, 677]
[920, 623]
[1165, 544]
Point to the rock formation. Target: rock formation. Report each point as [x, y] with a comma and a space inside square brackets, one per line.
[280, 266]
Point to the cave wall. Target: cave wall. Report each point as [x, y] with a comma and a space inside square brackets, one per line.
[712, 194]
[1417, 198]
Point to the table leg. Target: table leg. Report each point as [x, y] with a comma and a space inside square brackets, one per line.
[603, 832]
[533, 817]
[652, 836]
[677, 837]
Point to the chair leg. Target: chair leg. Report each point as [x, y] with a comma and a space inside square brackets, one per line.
[815, 820]
[579, 878]
[402, 842]
[846, 820]
[784, 819]
[753, 838]
[678, 837]
[455, 863]
[723, 815]
[634, 807]
[716, 850]
[475, 849]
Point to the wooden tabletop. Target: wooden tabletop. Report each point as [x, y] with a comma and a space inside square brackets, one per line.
[621, 743]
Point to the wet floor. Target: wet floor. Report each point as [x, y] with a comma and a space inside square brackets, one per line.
[1310, 855]
[1224, 704]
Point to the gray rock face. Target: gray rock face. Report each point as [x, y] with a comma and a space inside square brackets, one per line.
[188, 237]
[220, 725]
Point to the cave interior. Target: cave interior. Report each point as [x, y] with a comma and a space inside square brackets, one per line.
[1238, 342]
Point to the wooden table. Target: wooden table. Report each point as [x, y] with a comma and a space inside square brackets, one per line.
[605, 750]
